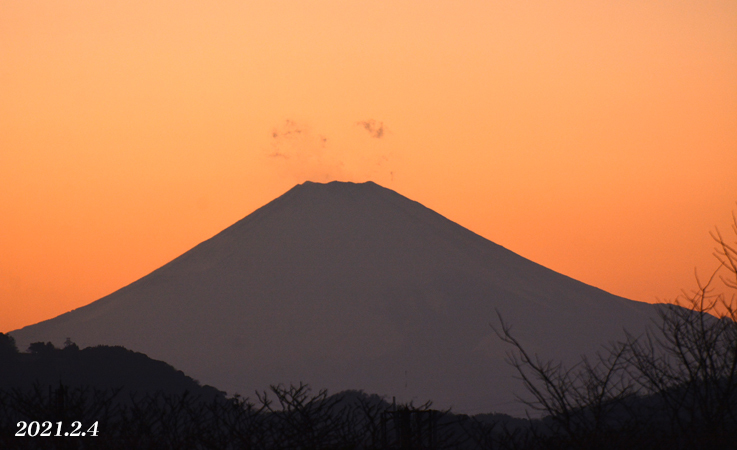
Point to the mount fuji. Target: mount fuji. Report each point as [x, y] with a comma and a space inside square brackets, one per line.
[351, 286]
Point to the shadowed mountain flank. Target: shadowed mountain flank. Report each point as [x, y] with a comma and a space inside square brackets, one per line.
[351, 286]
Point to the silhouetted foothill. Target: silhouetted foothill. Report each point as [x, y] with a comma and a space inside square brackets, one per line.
[99, 367]
[8, 350]
[7, 345]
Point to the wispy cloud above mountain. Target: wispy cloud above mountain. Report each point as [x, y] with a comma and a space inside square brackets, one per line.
[298, 153]
[374, 128]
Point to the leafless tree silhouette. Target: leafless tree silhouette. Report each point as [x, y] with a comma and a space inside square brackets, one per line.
[674, 387]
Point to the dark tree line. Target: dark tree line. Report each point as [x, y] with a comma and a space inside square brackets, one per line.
[279, 419]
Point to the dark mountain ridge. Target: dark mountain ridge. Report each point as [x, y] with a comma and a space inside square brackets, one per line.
[113, 369]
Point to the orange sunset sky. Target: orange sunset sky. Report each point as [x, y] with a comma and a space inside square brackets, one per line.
[598, 138]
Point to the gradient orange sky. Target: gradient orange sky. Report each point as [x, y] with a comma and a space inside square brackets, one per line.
[598, 138]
